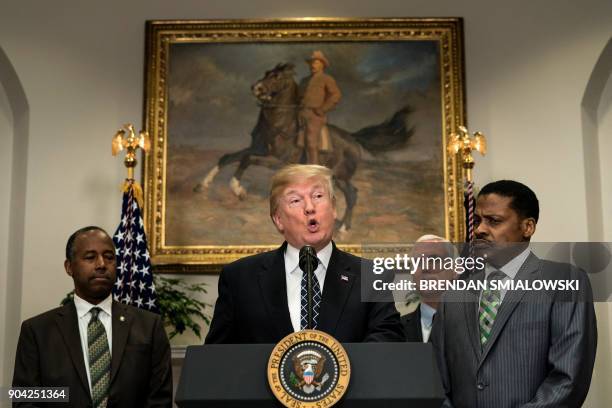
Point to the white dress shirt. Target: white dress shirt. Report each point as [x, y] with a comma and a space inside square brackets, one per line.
[427, 315]
[510, 269]
[83, 309]
[294, 274]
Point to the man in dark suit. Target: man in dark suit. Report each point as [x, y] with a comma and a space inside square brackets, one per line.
[107, 353]
[515, 348]
[262, 297]
[435, 250]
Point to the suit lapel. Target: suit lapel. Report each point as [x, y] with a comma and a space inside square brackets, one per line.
[339, 280]
[510, 302]
[413, 325]
[69, 327]
[273, 286]
[121, 321]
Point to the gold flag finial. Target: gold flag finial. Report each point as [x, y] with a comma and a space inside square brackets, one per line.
[126, 138]
[463, 144]
[131, 143]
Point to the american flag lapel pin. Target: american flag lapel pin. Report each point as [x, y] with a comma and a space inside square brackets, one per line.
[344, 278]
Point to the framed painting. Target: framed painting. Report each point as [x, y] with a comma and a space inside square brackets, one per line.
[222, 108]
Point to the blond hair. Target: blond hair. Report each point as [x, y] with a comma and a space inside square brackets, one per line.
[295, 173]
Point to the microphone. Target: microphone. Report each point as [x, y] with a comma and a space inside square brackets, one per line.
[308, 263]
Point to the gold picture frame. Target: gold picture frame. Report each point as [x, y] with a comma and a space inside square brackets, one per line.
[195, 78]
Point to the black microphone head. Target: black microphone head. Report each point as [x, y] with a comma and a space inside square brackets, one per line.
[308, 258]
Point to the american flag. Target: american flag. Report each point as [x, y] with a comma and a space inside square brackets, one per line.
[134, 285]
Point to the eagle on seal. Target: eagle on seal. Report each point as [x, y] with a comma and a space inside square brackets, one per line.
[308, 368]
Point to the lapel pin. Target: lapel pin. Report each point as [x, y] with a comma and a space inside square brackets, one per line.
[121, 319]
[344, 278]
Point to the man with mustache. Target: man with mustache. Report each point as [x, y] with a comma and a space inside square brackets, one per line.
[262, 297]
[319, 94]
[107, 353]
[501, 348]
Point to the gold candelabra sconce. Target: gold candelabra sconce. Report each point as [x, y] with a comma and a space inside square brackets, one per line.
[126, 138]
[463, 144]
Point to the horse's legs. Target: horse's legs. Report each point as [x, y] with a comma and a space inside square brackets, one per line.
[223, 161]
[249, 160]
[350, 196]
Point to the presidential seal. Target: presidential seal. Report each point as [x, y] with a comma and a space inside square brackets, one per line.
[308, 369]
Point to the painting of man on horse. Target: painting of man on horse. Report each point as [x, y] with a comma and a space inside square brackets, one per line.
[277, 132]
[383, 169]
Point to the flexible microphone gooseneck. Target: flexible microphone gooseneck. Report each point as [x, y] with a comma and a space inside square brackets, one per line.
[308, 263]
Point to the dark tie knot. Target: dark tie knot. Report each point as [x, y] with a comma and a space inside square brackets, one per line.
[496, 276]
[315, 264]
[95, 311]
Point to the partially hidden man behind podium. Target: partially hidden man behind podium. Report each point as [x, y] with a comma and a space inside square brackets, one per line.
[262, 298]
[107, 353]
[418, 324]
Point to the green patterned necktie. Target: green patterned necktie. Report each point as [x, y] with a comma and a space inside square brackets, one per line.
[99, 360]
[490, 300]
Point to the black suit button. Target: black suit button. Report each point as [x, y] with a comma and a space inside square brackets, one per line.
[480, 386]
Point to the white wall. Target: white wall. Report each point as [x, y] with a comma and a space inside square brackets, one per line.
[81, 67]
[6, 150]
[604, 118]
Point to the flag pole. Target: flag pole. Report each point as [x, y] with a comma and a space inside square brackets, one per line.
[134, 284]
[462, 145]
[126, 138]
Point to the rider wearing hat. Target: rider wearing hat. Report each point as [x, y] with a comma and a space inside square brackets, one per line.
[318, 95]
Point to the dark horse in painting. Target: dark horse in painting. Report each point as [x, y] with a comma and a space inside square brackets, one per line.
[274, 137]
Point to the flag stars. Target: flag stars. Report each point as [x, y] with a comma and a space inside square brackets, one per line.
[134, 283]
[134, 269]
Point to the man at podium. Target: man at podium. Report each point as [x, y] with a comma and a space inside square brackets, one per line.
[262, 298]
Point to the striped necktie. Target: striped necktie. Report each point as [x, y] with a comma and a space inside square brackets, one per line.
[316, 301]
[99, 360]
[490, 300]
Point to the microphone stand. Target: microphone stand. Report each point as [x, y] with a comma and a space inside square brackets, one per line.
[308, 263]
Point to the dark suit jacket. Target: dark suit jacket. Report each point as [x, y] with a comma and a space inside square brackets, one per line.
[411, 323]
[541, 351]
[252, 305]
[49, 354]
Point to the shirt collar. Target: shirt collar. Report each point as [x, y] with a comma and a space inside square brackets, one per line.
[83, 307]
[513, 266]
[427, 313]
[292, 257]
